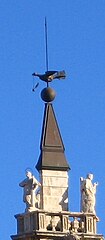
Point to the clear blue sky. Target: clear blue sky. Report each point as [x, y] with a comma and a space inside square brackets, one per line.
[76, 43]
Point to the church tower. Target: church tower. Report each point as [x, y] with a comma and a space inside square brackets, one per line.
[46, 215]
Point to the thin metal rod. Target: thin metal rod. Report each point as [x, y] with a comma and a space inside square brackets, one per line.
[46, 44]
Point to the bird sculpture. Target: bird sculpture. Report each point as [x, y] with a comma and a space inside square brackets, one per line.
[50, 75]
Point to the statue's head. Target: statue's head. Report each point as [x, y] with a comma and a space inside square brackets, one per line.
[28, 174]
[90, 176]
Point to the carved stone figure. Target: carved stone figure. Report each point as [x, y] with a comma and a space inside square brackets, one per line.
[30, 185]
[88, 191]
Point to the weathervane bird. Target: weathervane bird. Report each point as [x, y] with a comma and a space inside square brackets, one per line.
[48, 76]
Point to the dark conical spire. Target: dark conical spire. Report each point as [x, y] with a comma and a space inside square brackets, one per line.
[52, 149]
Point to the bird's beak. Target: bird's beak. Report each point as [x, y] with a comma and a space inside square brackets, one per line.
[33, 74]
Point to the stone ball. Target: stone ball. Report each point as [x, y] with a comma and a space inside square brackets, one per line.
[48, 94]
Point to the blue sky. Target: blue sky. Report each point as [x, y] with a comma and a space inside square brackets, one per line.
[76, 43]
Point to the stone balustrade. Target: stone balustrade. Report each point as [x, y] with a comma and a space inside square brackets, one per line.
[64, 222]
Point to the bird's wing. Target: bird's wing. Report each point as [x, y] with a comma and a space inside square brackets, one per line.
[49, 73]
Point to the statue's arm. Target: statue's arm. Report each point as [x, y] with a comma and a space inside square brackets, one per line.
[35, 182]
[95, 186]
[22, 184]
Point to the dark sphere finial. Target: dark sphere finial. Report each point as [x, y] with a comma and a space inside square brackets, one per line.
[48, 94]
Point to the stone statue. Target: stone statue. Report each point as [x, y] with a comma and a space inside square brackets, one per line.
[30, 185]
[88, 191]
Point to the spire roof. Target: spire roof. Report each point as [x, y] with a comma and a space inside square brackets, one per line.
[52, 148]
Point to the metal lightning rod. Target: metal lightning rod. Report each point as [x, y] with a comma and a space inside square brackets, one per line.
[46, 46]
